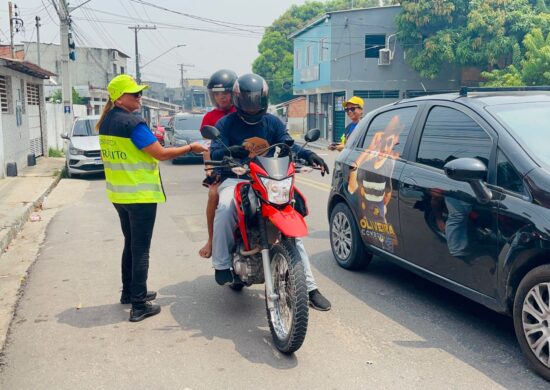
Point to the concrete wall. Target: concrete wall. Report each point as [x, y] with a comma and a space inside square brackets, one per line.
[351, 71]
[93, 66]
[54, 123]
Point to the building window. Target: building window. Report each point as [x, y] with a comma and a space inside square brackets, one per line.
[309, 55]
[373, 44]
[33, 95]
[323, 50]
[297, 59]
[378, 94]
[5, 94]
[114, 69]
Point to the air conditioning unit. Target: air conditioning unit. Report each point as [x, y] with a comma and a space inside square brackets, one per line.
[384, 57]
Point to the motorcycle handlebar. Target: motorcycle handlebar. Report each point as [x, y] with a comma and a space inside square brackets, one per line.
[214, 163]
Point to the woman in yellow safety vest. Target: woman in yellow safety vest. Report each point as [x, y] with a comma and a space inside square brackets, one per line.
[354, 108]
[130, 154]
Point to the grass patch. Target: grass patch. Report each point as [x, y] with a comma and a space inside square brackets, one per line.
[55, 153]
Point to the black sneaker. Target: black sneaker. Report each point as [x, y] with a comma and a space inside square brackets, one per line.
[223, 276]
[125, 298]
[147, 310]
[318, 301]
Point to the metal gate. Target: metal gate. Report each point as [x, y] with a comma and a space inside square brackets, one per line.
[33, 115]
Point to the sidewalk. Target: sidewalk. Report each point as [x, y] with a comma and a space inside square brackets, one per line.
[21, 194]
[321, 144]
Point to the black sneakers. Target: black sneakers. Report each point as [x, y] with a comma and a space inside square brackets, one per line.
[224, 276]
[147, 310]
[318, 301]
[125, 298]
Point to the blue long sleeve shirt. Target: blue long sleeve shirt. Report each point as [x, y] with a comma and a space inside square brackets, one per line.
[234, 131]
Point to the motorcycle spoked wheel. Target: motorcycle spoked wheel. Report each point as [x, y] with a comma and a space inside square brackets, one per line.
[288, 320]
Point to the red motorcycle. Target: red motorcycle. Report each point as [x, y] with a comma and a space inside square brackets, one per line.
[271, 214]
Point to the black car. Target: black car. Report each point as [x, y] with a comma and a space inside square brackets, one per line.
[184, 129]
[456, 188]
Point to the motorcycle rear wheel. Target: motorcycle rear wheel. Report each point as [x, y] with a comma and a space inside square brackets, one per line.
[288, 321]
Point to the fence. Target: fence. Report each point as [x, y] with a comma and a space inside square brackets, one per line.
[54, 122]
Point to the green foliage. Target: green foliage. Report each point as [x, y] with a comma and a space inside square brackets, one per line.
[57, 97]
[275, 62]
[55, 153]
[480, 33]
[534, 68]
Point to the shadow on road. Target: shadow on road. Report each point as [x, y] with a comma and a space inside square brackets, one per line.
[90, 317]
[212, 311]
[445, 320]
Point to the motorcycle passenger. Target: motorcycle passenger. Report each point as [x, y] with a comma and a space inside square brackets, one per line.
[251, 120]
[220, 88]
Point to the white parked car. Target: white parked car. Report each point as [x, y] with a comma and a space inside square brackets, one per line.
[82, 152]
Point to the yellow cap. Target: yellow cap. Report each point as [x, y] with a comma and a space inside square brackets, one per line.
[354, 100]
[122, 84]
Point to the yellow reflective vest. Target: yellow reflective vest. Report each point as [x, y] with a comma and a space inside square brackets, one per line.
[131, 175]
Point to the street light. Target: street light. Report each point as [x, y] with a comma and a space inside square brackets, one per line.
[160, 55]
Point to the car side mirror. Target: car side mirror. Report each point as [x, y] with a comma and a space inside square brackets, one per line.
[473, 172]
[312, 135]
[64, 135]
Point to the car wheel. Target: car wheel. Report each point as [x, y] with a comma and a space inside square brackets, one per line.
[532, 319]
[345, 240]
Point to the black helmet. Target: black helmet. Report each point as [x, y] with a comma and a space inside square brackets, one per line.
[221, 81]
[250, 97]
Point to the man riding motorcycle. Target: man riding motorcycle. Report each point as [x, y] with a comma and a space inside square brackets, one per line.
[254, 128]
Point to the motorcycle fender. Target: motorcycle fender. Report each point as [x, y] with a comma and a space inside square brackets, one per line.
[288, 221]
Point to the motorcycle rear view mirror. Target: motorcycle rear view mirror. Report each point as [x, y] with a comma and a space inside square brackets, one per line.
[210, 132]
[312, 135]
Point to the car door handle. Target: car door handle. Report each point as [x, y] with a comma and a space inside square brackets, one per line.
[408, 182]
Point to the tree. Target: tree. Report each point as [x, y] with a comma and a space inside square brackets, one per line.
[535, 67]
[57, 97]
[486, 34]
[275, 62]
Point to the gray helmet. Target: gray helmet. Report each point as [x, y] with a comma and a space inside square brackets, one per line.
[221, 81]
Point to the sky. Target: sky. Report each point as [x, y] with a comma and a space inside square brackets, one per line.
[217, 33]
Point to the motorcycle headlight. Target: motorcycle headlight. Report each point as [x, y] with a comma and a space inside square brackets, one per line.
[75, 151]
[278, 191]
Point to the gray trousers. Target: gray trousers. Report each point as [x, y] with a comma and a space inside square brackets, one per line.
[224, 226]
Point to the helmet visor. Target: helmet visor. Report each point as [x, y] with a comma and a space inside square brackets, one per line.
[251, 102]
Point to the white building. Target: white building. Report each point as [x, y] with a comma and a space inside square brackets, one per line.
[22, 112]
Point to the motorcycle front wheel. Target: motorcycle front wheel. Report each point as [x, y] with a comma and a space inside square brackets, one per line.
[288, 320]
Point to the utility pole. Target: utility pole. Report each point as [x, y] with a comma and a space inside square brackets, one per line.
[38, 39]
[182, 88]
[10, 10]
[136, 29]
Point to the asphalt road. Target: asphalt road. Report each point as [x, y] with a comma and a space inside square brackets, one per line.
[388, 328]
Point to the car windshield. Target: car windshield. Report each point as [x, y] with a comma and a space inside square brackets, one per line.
[164, 121]
[85, 128]
[188, 123]
[530, 125]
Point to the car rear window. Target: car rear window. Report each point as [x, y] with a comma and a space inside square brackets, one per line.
[85, 128]
[188, 123]
[529, 123]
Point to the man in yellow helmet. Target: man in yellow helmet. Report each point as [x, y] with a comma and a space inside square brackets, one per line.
[354, 108]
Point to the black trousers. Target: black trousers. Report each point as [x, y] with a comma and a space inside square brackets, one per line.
[137, 222]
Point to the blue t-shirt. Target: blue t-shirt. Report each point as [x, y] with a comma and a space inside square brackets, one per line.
[142, 137]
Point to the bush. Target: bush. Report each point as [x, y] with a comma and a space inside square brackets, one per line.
[55, 153]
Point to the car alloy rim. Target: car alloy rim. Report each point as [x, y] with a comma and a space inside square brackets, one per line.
[341, 235]
[535, 318]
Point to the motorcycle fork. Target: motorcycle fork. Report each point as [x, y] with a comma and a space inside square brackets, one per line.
[266, 261]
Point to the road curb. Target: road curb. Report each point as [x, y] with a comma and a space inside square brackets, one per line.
[7, 235]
